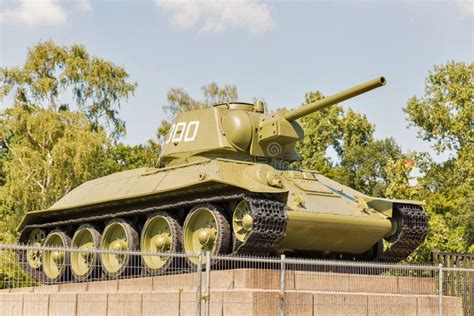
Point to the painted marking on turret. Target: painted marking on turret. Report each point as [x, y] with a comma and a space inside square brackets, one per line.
[192, 127]
[183, 131]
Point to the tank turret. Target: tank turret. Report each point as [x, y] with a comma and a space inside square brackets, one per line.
[244, 131]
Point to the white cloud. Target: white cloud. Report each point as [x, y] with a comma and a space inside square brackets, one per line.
[466, 6]
[84, 5]
[219, 15]
[38, 12]
[33, 12]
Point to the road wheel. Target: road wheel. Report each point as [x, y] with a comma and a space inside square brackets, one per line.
[119, 235]
[206, 229]
[161, 233]
[56, 261]
[84, 265]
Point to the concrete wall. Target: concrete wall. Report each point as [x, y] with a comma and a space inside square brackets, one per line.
[235, 292]
[231, 302]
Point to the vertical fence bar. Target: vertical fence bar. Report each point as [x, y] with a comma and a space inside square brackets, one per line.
[207, 307]
[199, 286]
[440, 290]
[471, 285]
[282, 285]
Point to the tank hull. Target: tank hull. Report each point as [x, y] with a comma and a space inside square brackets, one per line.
[322, 215]
[309, 231]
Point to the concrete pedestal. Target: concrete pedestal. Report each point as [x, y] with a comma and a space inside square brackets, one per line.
[235, 292]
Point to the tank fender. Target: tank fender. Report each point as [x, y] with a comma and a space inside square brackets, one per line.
[385, 206]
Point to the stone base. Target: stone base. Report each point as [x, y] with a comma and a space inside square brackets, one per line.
[235, 292]
[229, 302]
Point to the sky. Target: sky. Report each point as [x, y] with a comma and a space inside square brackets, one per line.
[274, 50]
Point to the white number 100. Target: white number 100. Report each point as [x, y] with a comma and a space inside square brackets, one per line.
[183, 131]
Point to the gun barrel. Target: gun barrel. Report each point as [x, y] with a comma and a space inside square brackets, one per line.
[333, 99]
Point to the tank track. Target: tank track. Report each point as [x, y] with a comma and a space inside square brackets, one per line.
[414, 228]
[268, 229]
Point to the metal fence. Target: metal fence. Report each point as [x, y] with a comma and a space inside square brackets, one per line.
[223, 284]
[458, 282]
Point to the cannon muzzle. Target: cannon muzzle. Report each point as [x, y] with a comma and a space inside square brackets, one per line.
[333, 99]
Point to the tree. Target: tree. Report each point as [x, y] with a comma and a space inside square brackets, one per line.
[57, 77]
[400, 176]
[120, 157]
[363, 166]
[180, 101]
[358, 159]
[50, 153]
[59, 128]
[444, 116]
[322, 130]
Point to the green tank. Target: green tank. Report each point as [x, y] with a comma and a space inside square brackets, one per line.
[225, 185]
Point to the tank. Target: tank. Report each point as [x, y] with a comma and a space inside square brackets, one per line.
[225, 185]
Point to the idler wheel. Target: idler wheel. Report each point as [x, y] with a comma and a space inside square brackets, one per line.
[33, 257]
[242, 220]
[161, 234]
[30, 259]
[84, 265]
[205, 229]
[118, 236]
[56, 261]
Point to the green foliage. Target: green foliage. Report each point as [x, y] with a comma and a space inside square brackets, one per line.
[444, 116]
[11, 274]
[364, 166]
[51, 153]
[399, 175]
[448, 192]
[360, 161]
[120, 157]
[322, 130]
[441, 237]
[52, 74]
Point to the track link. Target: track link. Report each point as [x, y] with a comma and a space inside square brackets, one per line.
[414, 228]
[268, 229]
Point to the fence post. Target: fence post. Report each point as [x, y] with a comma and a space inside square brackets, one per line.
[199, 286]
[282, 286]
[207, 306]
[440, 289]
